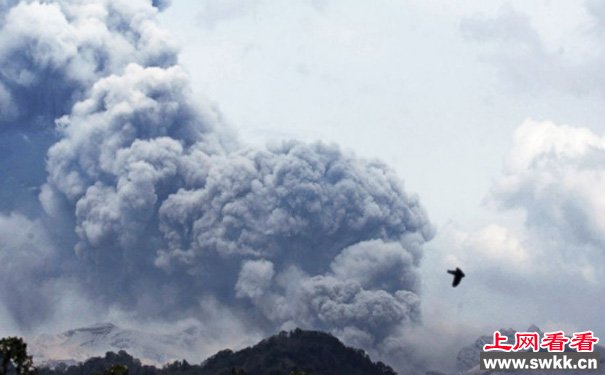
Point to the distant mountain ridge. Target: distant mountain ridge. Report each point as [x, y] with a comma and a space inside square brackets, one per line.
[77, 345]
[310, 352]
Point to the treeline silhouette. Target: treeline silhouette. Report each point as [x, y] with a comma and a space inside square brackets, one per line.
[288, 353]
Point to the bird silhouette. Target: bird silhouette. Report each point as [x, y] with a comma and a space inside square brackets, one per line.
[458, 275]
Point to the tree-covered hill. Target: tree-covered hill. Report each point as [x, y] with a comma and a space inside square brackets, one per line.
[309, 351]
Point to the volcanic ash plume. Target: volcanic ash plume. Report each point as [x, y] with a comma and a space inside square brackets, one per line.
[146, 204]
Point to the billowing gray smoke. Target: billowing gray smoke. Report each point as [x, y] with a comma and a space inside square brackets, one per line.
[142, 201]
[50, 55]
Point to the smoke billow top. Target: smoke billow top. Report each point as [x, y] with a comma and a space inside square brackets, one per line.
[118, 192]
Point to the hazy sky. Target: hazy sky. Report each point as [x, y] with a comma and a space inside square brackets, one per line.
[437, 90]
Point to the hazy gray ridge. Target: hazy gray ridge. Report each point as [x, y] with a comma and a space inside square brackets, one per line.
[77, 345]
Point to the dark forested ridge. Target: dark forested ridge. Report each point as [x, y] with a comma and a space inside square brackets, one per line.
[295, 352]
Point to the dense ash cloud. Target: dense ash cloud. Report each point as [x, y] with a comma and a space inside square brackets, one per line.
[51, 53]
[364, 307]
[311, 199]
[150, 206]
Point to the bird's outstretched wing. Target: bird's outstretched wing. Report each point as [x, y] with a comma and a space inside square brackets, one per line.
[458, 275]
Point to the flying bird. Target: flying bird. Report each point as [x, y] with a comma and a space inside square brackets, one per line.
[458, 275]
